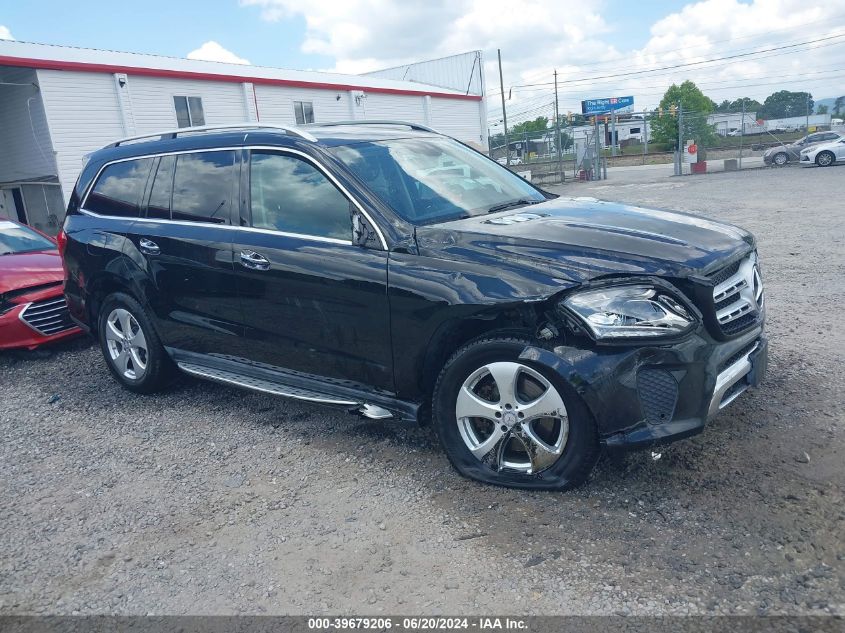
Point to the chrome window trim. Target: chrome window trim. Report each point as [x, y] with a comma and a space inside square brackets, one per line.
[228, 227]
[271, 148]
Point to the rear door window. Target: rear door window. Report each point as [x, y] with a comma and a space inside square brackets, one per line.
[119, 189]
[203, 186]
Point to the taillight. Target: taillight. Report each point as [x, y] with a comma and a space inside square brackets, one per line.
[61, 242]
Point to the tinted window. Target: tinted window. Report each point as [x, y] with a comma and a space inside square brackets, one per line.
[20, 239]
[303, 111]
[202, 187]
[291, 195]
[119, 188]
[162, 189]
[189, 111]
[196, 111]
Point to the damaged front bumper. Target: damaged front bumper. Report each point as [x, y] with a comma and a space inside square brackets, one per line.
[647, 395]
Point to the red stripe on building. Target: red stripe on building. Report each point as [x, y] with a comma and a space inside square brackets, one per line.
[89, 67]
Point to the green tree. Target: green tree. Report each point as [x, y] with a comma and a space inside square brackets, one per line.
[839, 105]
[696, 106]
[784, 103]
[751, 105]
[822, 109]
[540, 124]
[725, 106]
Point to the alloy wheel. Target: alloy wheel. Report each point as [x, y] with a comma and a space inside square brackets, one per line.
[781, 160]
[512, 418]
[824, 159]
[126, 344]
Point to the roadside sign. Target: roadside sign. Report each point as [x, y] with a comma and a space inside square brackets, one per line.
[691, 153]
[601, 106]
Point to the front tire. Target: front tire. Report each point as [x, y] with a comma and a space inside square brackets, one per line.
[511, 422]
[131, 347]
[825, 159]
[780, 159]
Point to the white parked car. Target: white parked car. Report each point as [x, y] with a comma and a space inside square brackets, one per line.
[514, 161]
[824, 154]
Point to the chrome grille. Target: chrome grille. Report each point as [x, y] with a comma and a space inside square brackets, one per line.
[47, 317]
[738, 297]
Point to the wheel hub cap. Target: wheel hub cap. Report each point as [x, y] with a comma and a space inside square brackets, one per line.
[126, 344]
[512, 418]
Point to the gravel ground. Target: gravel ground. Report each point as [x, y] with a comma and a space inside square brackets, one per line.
[215, 501]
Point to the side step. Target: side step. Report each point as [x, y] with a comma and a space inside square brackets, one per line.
[266, 386]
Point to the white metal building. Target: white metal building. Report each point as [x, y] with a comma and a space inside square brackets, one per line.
[59, 103]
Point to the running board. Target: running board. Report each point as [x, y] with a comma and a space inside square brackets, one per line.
[257, 384]
[265, 386]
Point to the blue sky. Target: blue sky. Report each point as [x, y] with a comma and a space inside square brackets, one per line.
[161, 27]
[178, 27]
[581, 40]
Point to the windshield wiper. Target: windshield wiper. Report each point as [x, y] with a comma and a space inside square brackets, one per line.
[512, 203]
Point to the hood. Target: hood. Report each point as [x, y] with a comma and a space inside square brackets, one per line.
[23, 270]
[584, 238]
[779, 148]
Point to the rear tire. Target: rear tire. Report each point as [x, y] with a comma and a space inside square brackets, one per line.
[131, 346]
[533, 432]
[825, 159]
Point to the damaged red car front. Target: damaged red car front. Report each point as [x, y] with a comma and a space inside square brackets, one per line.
[32, 303]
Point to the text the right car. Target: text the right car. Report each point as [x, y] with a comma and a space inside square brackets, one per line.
[824, 154]
[780, 155]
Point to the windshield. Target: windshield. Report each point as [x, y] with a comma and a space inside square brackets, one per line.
[428, 180]
[20, 239]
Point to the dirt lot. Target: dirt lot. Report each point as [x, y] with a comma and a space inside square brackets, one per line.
[211, 500]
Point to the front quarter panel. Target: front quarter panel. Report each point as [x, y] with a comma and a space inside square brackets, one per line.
[430, 298]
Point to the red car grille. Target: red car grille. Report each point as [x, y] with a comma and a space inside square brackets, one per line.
[48, 317]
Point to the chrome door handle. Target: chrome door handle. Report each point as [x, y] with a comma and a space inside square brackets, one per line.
[149, 247]
[255, 261]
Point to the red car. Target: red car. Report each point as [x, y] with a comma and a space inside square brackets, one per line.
[32, 302]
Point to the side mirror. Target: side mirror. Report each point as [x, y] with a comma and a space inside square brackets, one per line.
[362, 233]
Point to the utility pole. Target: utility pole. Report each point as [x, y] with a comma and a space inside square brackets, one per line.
[741, 132]
[557, 134]
[524, 146]
[613, 132]
[504, 112]
[679, 165]
[597, 159]
[645, 135]
[807, 110]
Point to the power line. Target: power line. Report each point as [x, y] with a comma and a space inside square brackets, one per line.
[687, 64]
[808, 76]
[708, 43]
[593, 80]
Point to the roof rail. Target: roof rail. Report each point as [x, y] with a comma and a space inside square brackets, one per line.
[413, 126]
[290, 129]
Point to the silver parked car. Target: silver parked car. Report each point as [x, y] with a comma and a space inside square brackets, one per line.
[783, 154]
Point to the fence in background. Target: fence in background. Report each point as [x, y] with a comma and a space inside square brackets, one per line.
[692, 141]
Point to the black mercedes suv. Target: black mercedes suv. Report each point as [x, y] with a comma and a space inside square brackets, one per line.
[392, 271]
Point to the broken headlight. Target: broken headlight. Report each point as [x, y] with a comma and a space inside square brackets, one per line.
[634, 311]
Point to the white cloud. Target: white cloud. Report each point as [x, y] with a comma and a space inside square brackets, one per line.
[536, 36]
[211, 51]
[5, 33]
[364, 35]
